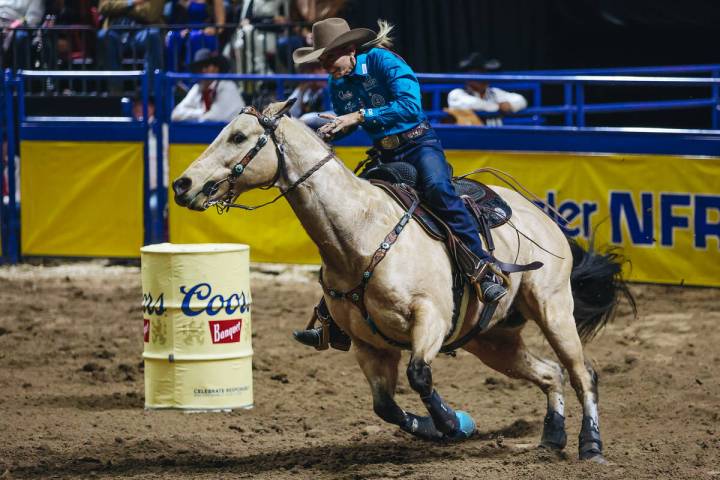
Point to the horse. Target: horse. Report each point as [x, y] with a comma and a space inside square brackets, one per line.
[409, 296]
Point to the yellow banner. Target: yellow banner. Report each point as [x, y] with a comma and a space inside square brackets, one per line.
[662, 211]
[81, 199]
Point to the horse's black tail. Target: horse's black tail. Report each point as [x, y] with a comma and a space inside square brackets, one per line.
[597, 287]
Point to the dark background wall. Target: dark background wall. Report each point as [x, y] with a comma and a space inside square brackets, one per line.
[433, 35]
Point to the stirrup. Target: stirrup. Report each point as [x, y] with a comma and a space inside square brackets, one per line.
[490, 283]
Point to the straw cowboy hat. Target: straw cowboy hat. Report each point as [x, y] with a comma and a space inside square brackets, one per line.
[330, 34]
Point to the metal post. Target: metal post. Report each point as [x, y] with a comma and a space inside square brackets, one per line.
[147, 212]
[161, 193]
[13, 217]
[715, 121]
[3, 209]
[568, 100]
[580, 96]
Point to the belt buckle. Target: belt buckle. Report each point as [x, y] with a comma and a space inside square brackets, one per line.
[390, 142]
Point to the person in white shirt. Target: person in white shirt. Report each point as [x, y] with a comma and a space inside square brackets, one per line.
[480, 96]
[209, 100]
[311, 98]
[14, 14]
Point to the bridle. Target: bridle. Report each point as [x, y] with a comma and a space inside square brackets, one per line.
[269, 124]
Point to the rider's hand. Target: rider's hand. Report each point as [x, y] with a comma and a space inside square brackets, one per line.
[339, 124]
[505, 107]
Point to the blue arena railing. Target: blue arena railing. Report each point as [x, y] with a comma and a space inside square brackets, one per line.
[573, 109]
[9, 212]
[82, 128]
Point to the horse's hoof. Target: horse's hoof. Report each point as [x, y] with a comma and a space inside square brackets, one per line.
[599, 459]
[553, 436]
[466, 426]
[551, 446]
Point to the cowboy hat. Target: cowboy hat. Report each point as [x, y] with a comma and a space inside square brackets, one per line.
[476, 62]
[204, 57]
[330, 34]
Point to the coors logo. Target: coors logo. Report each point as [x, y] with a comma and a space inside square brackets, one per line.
[146, 330]
[225, 331]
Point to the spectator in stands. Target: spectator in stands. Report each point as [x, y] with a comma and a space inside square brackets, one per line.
[256, 39]
[15, 14]
[182, 44]
[478, 95]
[209, 100]
[312, 97]
[117, 42]
[71, 45]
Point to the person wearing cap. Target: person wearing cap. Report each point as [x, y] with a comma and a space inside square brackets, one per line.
[478, 95]
[374, 88]
[209, 100]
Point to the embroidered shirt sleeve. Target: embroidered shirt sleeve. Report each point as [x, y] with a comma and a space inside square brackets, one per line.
[405, 102]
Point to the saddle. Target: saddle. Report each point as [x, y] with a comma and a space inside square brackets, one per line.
[488, 210]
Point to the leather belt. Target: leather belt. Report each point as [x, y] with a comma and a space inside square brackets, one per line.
[392, 142]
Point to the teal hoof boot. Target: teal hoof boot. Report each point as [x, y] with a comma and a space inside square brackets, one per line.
[466, 426]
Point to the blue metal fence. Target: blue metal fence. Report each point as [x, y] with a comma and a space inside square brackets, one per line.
[574, 136]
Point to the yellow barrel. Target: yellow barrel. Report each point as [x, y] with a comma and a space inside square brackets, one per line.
[197, 328]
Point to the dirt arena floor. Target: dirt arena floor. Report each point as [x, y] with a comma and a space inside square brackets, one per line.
[71, 394]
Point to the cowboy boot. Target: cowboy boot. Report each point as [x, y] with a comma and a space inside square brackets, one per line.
[314, 337]
[491, 288]
[484, 275]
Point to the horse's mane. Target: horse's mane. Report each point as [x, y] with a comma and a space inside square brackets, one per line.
[311, 133]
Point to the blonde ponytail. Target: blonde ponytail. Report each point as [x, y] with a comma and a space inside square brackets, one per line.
[383, 39]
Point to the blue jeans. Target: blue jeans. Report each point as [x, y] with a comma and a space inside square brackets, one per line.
[426, 154]
[114, 44]
[180, 51]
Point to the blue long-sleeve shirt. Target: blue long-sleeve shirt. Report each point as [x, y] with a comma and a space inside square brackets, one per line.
[386, 87]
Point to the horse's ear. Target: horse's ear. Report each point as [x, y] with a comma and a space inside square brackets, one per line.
[278, 109]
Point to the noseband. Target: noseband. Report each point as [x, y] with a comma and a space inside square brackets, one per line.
[269, 124]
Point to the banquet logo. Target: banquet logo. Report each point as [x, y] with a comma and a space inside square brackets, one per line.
[225, 331]
[146, 330]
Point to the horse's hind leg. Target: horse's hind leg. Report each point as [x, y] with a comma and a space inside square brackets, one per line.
[558, 324]
[381, 369]
[504, 350]
[426, 343]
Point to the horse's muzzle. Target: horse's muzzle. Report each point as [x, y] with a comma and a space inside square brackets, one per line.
[181, 187]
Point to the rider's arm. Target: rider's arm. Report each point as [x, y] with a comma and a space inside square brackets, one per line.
[405, 104]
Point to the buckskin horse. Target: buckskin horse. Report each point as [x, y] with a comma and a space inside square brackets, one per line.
[408, 298]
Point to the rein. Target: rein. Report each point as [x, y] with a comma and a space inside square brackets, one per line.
[269, 124]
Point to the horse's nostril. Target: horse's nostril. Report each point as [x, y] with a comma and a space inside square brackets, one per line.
[181, 185]
[210, 188]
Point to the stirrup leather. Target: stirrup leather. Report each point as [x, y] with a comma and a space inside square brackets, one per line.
[324, 323]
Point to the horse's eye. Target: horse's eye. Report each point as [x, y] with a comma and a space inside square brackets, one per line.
[237, 138]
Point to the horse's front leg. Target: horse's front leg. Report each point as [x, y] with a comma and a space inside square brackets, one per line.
[427, 339]
[381, 368]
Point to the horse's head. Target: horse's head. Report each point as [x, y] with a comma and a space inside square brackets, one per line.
[241, 158]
